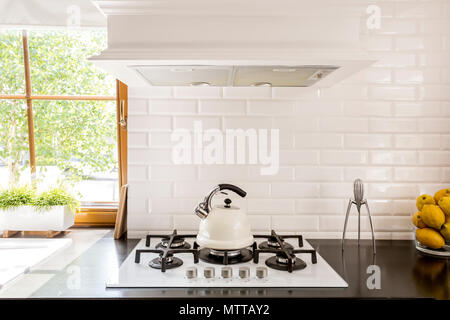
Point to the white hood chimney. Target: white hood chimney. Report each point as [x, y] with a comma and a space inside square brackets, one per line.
[280, 43]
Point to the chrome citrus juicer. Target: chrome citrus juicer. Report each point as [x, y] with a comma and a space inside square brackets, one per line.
[358, 200]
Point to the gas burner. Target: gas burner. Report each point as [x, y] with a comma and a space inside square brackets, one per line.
[272, 242]
[284, 258]
[171, 262]
[177, 243]
[169, 245]
[225, 257]
[280, 262]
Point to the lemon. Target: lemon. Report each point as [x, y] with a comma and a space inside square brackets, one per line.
[423, 200]
[433, 216]
[440, 194]
[417, 220]
[430, 238]
[444, 204]
[445, 231]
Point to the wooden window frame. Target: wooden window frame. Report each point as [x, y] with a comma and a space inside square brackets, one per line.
[98, 214]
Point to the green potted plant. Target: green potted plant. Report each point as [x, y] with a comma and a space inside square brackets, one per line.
[22, 209]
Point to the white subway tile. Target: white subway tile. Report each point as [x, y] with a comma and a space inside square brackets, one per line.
[295, 223]
[417, 109]
[247, 93]
[198, 92]
[186, 222]
[173, 206]
[247, 123]
[391, 26]
[311, 108]
[223, 107]
[417, 174]
[445, 141]
[367, 141]
[138, 173]
[271, 206]
[361, 109]
[435, 92]
[336, 223]
[368, 173]
[418, 43]
[153, 156]
[392, 224]
[381, 207]
[137, 123]
[344, 91]
[446, 73]
[392, 191]
[314, 174]
[181, 122]
[256, 189]
[300, 124]
[417, 76]
[343, 157]
[193, 189]
[434, 26]
[286, 138]
[222, 172]
[336, 190]
[283, 174]
[434, 158]
[432, 59]
[393, 157]
[161, 139]
[289, 157]
[445, 174]
[301, 93]
[432, 9]
[137, 206]
[173, 173]
[149, 189]
[295, 190]
[392, 125]
[137, 107]
[392, 93]
[270, 107]
[319, 206]
[173, 106]
[260, 223]
[149, 222]
[150, 92]
[376, 42]
[416, 141]
[344, 124]
[394, 60]
[138, 140]
[404, 207]
[318, 141]
[434, 125]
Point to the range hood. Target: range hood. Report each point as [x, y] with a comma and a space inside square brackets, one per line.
[278, 43]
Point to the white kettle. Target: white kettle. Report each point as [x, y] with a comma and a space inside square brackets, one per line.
[223, 227]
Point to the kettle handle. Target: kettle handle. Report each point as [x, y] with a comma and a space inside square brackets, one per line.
[226, 186]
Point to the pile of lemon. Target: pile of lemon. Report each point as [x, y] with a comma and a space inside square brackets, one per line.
[433, 219]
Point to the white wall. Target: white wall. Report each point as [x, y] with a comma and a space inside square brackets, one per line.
[388, 125]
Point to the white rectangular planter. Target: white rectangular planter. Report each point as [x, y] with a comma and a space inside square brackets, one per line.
[27, 218]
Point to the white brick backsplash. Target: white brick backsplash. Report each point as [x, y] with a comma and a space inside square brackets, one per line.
[247, 93]
[342, 124]
[415, 174]
[198, 92]
[138, 139]
[137, 107]
[223, 107]
[295, 223]
[368, 173]
[318, 174]
[393, 157]
[149, 123]
[434, 158]
[271, 206]
[274, 107]
[173, 106]
[415, 141]
[367, 141]
[392, 125]
[387, 124]
[318, 141]
[343, 157]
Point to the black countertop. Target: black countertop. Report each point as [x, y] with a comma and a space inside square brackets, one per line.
[405, 273]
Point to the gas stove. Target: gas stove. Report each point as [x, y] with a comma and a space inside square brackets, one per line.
[273, 260]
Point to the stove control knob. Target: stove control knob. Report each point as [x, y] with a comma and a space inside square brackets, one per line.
[209, 272]
[227, 272]
[191, 273]
[244, 272]
[261, 272]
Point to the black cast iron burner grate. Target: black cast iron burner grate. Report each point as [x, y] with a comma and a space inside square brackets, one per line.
[284, 258]
[166, 259]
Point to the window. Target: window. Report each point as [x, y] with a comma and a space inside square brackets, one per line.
[58, 114]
